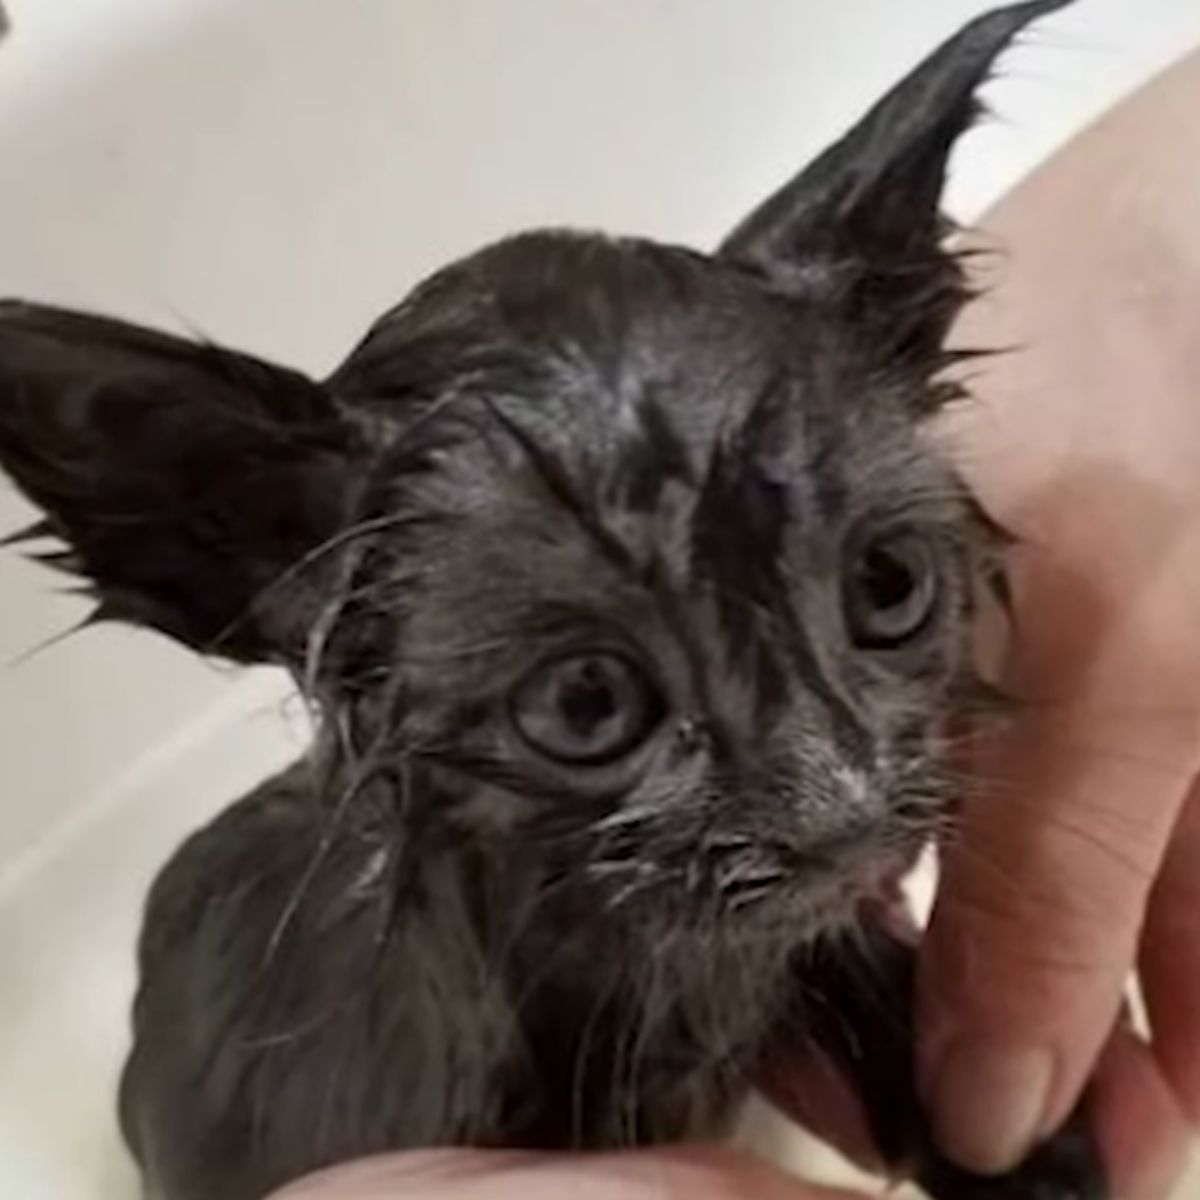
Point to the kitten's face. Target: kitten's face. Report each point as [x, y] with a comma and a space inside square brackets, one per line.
[634, 556]
[680, 600]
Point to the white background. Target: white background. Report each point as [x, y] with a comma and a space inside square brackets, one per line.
[274, 173]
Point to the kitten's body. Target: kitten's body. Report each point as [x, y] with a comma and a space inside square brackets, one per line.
[635, 609]
[315, 1055]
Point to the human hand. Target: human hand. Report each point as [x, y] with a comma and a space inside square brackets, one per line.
[1079, 858]
[679, 1174]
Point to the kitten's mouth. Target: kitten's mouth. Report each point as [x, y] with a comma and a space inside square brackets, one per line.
[820, 887]
[763, 886]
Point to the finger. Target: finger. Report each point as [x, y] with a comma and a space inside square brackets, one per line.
[1138, 1120]
[686, 1173]
[1036, 923]
[1031, 946]
[1170, 960]
[1037, 920]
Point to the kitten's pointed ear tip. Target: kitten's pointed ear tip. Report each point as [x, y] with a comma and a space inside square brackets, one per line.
[1032, 9]
[992, 31]
[881, 183]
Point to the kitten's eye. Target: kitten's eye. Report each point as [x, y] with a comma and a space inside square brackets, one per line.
[587, 708]
[890, 590]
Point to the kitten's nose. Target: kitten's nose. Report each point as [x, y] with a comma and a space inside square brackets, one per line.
[690, 734]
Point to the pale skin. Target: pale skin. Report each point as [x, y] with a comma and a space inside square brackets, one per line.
[1079, 861]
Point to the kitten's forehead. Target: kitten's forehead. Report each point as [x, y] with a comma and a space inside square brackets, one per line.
[643, 383]
[624, 310]
[645, 354]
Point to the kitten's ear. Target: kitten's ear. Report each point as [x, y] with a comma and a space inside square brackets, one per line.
[862, 223]
[186, 481]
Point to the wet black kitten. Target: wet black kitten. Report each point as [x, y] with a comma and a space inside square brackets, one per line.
[634, 608]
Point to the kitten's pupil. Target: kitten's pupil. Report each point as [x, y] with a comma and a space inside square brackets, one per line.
[586, 699]
[887, 581]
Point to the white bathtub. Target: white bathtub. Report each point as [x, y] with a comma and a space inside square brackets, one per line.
[274, 172]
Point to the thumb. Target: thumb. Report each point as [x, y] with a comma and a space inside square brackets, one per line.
[1039, 913]
[1084, 445]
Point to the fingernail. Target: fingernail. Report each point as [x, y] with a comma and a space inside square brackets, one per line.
[987, 1103]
